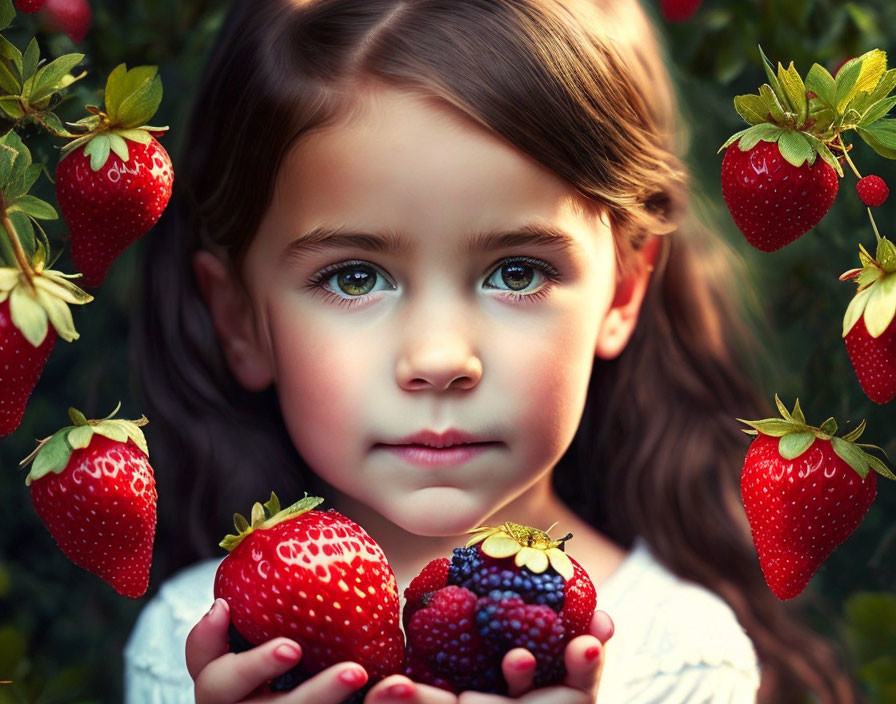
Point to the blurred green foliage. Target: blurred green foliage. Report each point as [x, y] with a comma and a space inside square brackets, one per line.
[62, 631]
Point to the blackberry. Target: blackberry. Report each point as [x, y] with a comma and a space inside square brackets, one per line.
[465, 562]
[481, 575]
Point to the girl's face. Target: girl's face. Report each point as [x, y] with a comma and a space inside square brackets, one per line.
[416, 273]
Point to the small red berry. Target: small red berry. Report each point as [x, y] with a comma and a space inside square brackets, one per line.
[29, 7]
[873, 190]
[679, 10]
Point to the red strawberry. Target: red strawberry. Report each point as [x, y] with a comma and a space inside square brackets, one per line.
[679, 10]
[511, 586]
[72, 17]
[29, 7]
[21, 365]
[95, 491]
[868, 329]
[315, 577]
[772, 201]
[872, 190]
[115, 181]
[805, 491]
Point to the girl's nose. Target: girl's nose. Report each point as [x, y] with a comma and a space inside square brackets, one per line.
[438, 362]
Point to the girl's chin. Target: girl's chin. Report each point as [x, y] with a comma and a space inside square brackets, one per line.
[435, 516]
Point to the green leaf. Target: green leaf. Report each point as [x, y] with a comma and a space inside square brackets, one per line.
[7, 158]
[797, 412]
[846, 81]
[855, 309]
[9, 104]
[80, 437]
[8, 81]
[793, 445]
[766, 132]
[98, 150]
[881, 306]
[884, 86]
[112, 431]
[36, 208]
[878, 465]
[7, 13]
[829, 427]
[881, 137]
[852, 455]
[886, 254]
[24, 231]
[118, 146]
[10, 52]
[795, 148]
[796, 91]
[772, 427]
[773, 81]
[877, 111]
[28, 316]
[751, 108]
[772, 103]
[48, 77]
[824, 152]
[820, 82]
[138, 108]
[855, 433]
[52, 457]
[30, 60]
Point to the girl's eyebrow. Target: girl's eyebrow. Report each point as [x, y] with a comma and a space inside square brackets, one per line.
[324, 238]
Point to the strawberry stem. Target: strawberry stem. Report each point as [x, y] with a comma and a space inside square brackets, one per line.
[846, 156]
[17, 248]
[874, 225]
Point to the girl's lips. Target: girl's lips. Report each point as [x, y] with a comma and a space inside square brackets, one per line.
[425, 456]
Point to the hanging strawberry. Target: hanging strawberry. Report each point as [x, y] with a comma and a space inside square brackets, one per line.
[805, 491]
[94, 489]
[114, 181]
[868, 325]
[780, 176]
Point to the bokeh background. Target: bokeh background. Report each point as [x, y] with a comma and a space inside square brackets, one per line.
[62, 630]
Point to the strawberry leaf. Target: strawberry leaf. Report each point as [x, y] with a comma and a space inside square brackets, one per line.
[7, 13]
[829, 427]
[773, 81]
[8, 82]
[52, 457]
[881, 137]
[773, 104]
[856, 433]
[77, 417]
[855, 309]
[772, 427]
[782, 409]
[798, 413]
[10, 52]
[886, 254]
[795, 90]
[751, 108]
[876, 111]
[766, 132]
[35, 207]
[98, 150]
[80, 436]
[795, 148]
[852, 455]
[48, 78]
[822, 83]
[30, 59]
[793, 445]
[28, 316]
[119, 146]
[878, 465]
[824, 152]
[881, 306]
[884, 87]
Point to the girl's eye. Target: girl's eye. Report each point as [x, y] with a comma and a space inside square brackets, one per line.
[518, 274]
[351, 279]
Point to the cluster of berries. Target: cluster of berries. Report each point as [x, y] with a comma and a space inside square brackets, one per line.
[463, 615]
[328, 585]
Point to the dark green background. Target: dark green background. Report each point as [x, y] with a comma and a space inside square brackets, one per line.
[62, 631]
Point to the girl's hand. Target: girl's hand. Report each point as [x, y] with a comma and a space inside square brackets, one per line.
[398, 689]
[584, 665]
[221, 677]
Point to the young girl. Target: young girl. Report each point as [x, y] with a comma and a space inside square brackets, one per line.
[399, 216]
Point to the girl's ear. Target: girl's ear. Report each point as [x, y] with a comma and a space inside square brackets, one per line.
[619, 322]
[234, 322]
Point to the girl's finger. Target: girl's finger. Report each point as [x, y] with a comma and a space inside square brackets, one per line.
[332, 686]
[518, 668]
[398, 689]
[602, 626]
[233, 676]
[208, 639]
[584, 661]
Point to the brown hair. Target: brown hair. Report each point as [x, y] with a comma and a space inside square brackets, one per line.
[578, 85]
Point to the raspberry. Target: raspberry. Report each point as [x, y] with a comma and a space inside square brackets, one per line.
[418, 594]
[873, 190]
[509, 622]
[446, 644]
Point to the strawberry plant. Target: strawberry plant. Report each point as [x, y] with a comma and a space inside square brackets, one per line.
[805, 491]
[780, 175]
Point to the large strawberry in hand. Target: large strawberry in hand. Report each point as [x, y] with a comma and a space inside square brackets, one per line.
[114, 182]
[315, 577]
[95, 491]
[511, 586]
[868, 328]
[805, 491]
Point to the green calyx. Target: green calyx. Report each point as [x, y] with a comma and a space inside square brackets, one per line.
[267, 516]
[131, 99]
[875, 299]
[53, 453]
[796, 436]
[806, 117]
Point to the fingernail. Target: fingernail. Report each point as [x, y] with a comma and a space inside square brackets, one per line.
[524, 664]
[216, 607]
[592, 653]
[353, 678]
[402, 690]
[286, 652]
